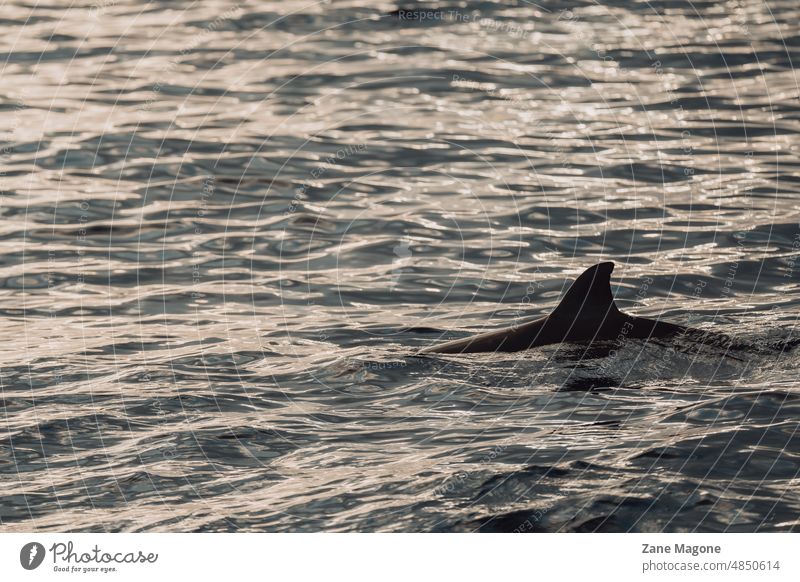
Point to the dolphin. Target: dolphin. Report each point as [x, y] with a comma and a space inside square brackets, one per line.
[587, 313]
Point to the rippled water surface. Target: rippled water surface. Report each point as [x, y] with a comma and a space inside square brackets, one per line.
[228, 226]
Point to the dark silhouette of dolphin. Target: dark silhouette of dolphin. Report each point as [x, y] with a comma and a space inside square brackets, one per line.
[587, 313]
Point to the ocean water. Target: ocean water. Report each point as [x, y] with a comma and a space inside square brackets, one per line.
[227, 227]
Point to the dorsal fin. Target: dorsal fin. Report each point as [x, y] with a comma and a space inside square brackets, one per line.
[590, 294]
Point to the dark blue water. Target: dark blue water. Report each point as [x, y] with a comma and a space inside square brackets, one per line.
[227, 226]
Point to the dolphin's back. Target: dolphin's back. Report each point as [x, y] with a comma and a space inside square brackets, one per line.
[586, 313]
